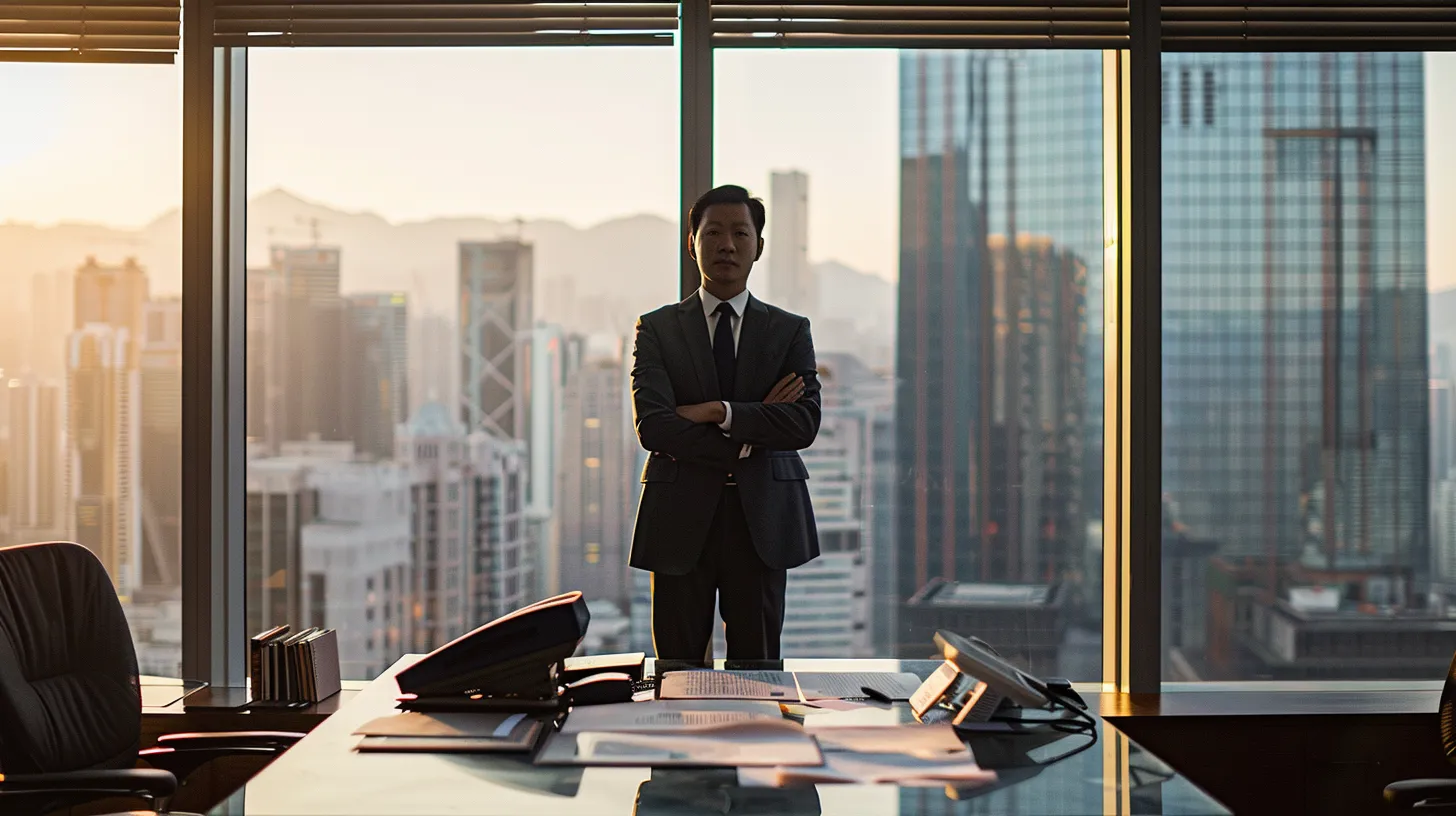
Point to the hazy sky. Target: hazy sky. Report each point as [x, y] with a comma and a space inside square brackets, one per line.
[577, 134]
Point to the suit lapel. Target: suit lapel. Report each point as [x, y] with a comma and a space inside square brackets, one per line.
[695, 332]
[754, 348]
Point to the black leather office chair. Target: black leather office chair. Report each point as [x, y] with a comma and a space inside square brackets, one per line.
[70, 700]
[1433, 793]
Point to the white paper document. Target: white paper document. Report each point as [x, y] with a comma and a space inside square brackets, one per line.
[756, 743]
[848, 767]
[923, 741]
[668, 715]
[906, 754]
[800, 687]
[662, 733]
[707, 684]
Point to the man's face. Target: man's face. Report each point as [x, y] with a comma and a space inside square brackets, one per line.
[726, 244]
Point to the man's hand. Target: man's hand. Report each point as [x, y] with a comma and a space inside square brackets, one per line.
[789, 389]
[708, 413]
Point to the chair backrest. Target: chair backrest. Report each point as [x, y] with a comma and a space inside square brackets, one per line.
[1448, 713]
[69, 694]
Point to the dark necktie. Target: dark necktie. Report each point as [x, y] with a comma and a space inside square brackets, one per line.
[725, 358]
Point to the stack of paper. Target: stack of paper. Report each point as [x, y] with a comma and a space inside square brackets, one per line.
[664, 733]
[800, 687]
[850, 768]
[447, 732]
[909, 754]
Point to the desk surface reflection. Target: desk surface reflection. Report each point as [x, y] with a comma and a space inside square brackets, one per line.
[1053, 773]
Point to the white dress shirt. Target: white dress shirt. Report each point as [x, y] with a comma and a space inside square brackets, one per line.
[739, 302]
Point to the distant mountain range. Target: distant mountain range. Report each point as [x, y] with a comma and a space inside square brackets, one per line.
[593, 279]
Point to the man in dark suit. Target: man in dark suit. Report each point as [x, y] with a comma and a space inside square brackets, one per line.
[724, 395]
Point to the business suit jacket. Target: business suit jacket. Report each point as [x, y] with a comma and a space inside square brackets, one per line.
[672, 365]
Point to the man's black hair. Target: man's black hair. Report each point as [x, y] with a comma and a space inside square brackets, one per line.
[728, 194]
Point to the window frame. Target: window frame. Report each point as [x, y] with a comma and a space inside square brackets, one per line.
[214, 214]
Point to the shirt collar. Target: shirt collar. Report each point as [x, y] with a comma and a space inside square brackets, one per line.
[710, 303]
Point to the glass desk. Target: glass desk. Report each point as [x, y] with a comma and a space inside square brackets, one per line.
[1054, 774]
[160, 692]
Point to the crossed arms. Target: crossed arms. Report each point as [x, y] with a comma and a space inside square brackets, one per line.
[786, 419]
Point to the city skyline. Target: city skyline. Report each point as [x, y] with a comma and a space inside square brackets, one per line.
[134, 176]
[471, 485]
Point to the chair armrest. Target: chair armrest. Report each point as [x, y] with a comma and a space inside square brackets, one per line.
[145, 783]
[219, 740]
[1409, 793]
[184, 753]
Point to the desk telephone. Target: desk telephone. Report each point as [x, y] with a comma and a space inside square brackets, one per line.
[521, 661]
[976, 685]
[514, 662]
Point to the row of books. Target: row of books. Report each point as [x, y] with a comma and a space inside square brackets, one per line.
[302, 666]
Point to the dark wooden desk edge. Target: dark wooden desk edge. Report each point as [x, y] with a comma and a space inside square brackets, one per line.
[1267, 703]
[1219, 700]
[178, 718]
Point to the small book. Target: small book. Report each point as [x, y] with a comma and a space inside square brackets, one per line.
[323, 665]
[256, 650]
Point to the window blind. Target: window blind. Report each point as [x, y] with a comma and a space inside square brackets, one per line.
[1309, 25]
[382, 23]
[91, 31]
[1095, 24]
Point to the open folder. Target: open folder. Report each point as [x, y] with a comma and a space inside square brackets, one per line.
[451, 732]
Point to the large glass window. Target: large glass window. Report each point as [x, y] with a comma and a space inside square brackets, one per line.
[938, 217]
[447, 252]
[1307, 407]
[90, 329]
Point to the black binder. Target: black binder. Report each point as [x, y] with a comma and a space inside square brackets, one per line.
[517, 656]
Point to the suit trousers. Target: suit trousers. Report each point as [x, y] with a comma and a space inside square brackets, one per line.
[749, 594]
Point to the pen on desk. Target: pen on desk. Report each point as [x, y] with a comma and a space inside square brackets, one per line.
[875, 694]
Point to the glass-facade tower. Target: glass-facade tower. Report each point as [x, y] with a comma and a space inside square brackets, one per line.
[1294, 315]
[999, 468]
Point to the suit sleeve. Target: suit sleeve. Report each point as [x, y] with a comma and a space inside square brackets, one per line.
[654, 410]
[784, 425]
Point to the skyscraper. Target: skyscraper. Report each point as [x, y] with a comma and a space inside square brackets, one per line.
[495, 318]
[37, 504]
[328, 542]
[831, 607]
[502, 573]
[111, 295]
[102, 463]
[279, 503]
[160, 455]
[1004, 144]
[355, 564]
[432, 447]
[310, 339]
[434, 369]
[266, 366]
[1295, 375]
[595, 473]
[1028, 444]
[52, 318]
[1444, 528]
[376, 370]
[555, 356]
[467, 511]
[794, 285]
